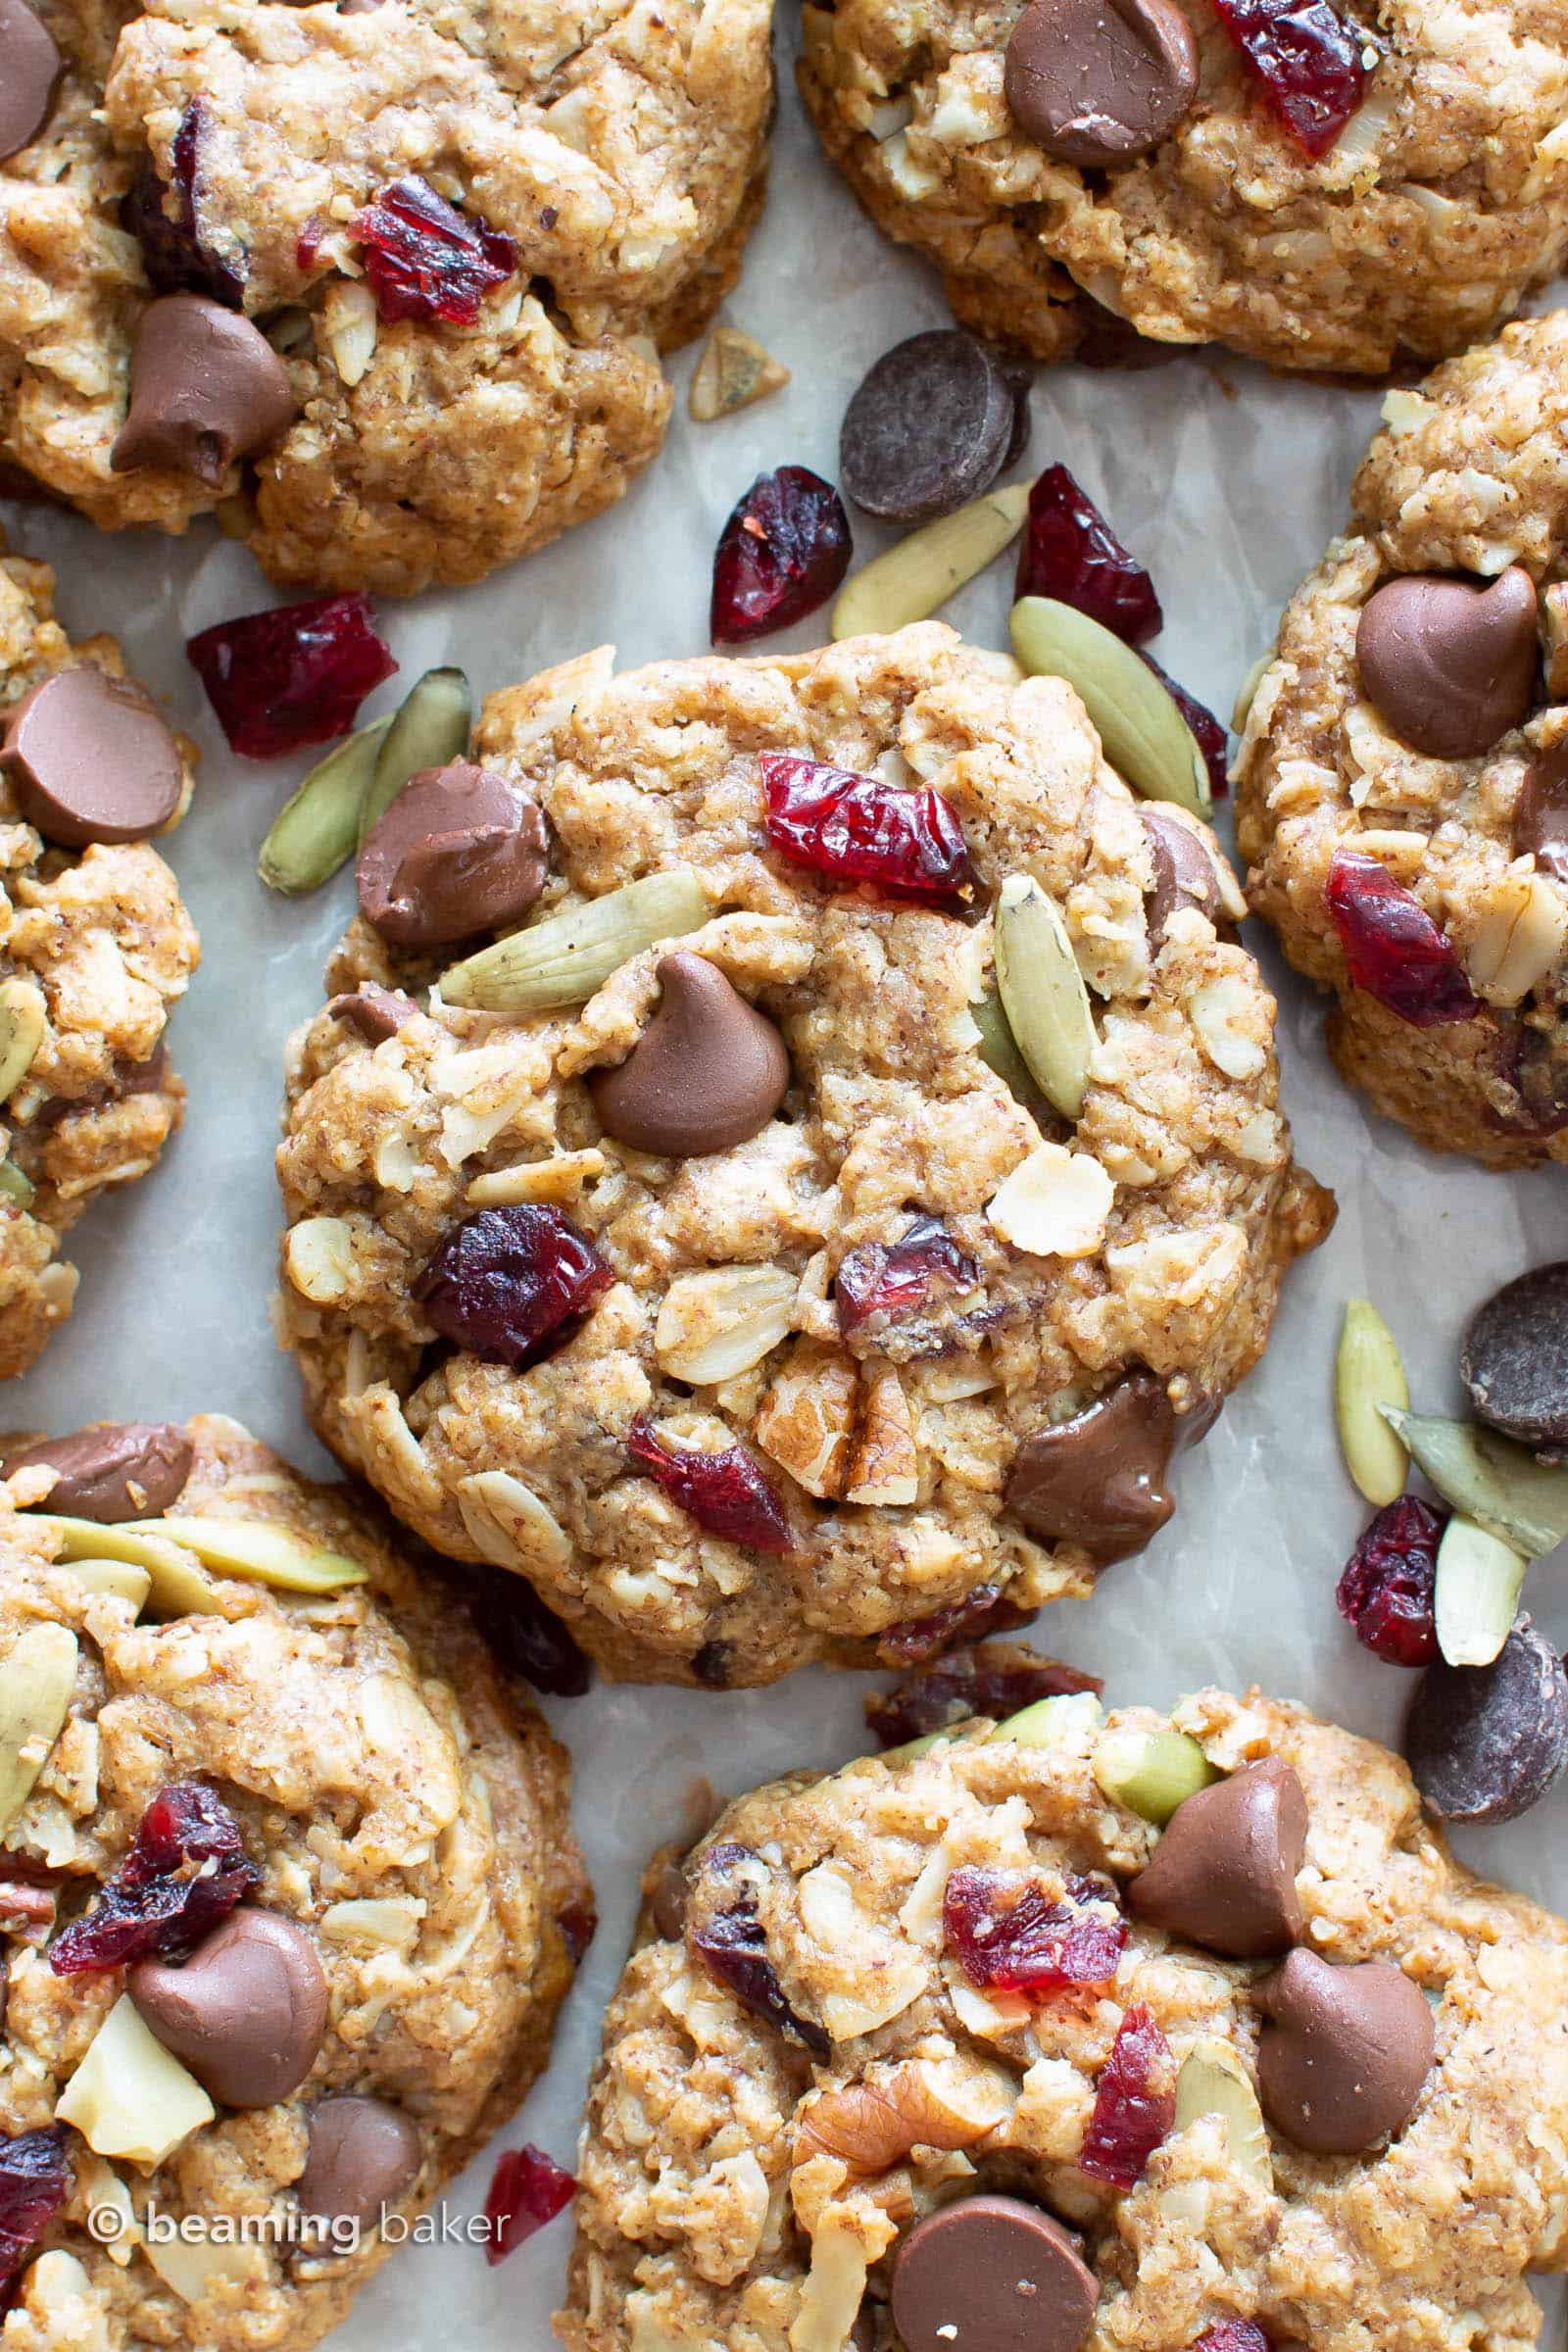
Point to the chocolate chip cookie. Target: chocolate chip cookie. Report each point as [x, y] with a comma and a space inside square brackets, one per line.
[1402, 783]
[1303, 183]
[384, 287]
[1184, 2034]
[815, 1231]
[96, 945]
[289, 1895]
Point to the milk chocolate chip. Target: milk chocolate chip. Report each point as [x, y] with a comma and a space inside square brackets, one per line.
[1223, 1874]
[1450, 663]
[459, 850]
[1184, 873]
[90, 759]
[990, 2274]
[1344, 2053]
[205, 388]
[1099, 81]
[115, 1471]
[363, 2155]
[378, 1013]
[1540, 813]
[247, 2011]
[30, 68]
[1097, 1480]
[707, 1072]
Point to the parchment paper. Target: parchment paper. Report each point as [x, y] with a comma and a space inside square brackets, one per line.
[1228, 484]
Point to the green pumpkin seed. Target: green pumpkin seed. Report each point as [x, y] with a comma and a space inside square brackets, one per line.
[37, 1678]
[1147, 740]
[13, 1185]
[998, 1049]
[177, 1586]
[431, 727]
[569, 956]
[1488, 1479]
[1368, 1374]
[913, 579]
[1043, 992]
[1052, 1721]
[23, 1017]
[1477, 1594]
[1152, 1772]
[262, 1551]
[1212, 2081]
[314, 832]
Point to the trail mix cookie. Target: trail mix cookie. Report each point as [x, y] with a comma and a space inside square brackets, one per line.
[685, 1251]
[386, 287]
[952, 2048]
[96, 947]
[1402, 782]
[1331, 186]
[289, 1893]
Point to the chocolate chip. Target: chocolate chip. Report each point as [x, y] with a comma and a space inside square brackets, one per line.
[115, 1471]
[90, 759]
[1018, 371]
[1541, 814]
[1099, 81]
[990, 2274]
[1450, 664]
[929, 428]
[1486, 1742]
[667, 1900]
[246, 2013]
[707, 1072]
[378, 1013]
[1515, 1359]
[1343, 2054]
[363, 2155]
[1184, 873]
[1223, 1874]
[1097, 1480]
[205, 388]
[459, 850]
[30, 68]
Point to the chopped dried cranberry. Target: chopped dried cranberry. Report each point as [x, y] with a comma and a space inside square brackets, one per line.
[1387, 1588]
[908, 842]
[1070, 552]
[527, 1637]
[922, 1638]
[1307, 58]
[1394, 949]
[176, 255]
[578, 1923]
[887, 1279]
[725, 1493]
[510, 1280]
[308, 244]
[526, 2190]
[1135, 2102]
[1010, 1936]
[1233, 2335]
[36, 2180]
[780, 556]
[186, 1870]
[1212, 740]
[733, 1947]
[426, 260]
[295, 675]
[992, 1678]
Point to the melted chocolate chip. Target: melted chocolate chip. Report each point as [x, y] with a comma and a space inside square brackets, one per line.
[246, 2013]
[1223, 1874]
[459, 850]
[1541, 814]
[1184, 873]
[113, 1472]
[90, 759]
[205, 388]
[1344, 2053]
[1450, 664]
[707, 1072]
[378, 1013]
[1096, 82]
[1097, 1480]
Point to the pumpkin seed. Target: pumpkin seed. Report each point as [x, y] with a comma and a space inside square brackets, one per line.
[998, 1048]
[1488, 1479]
[23, 1017]
[119, 1578]
[913, 579]
[37, 1678]
[1368, 1374]
[1147, 740]
[13, 1185]
[1476, 1596]
[431, 727]
[1212, 2081]
[178, 1587]
[1043, 992]
[1152, 1772]
[261, 1552]
[314, 832]
[565, 958]
[1052, 1721]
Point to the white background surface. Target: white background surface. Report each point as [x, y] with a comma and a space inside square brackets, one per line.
[1227, 484]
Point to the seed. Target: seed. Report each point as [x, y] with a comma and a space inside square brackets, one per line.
[1043, 994]
[429, 728]
[1368, 1375]
[1152, 1772]
[13, 1185]
[1488, 1479]
[1477, 1594]
[348, 315]
[315, 830]
[261, 1552]
[997, 1047]
[1145, 735]
[1214, 2082]
[734, 372]
[23, 1017]
[1068, 1718]
[569, 956]
[913, 579]
[38, 1679]
[178, 1587]
[119, 1579]
[129, 2097]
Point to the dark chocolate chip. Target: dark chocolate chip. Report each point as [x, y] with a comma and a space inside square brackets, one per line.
[1097, 83]
[205, 388]
[1184, 873]
[1486, 1742]
[1540, 813]
[928, 429]
[1223, 1874]
[246, 2013]
[1097, 1480]
[1515, 1359]
[90, 759]
[29, 68]
[364, 2154]
[459, 850]
[707, 1072]
[377, 1012]
[1344, 2052]
[990, 2274]
[1450, 662]
[111, 1472]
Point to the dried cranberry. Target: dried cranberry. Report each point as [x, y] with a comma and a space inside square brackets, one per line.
[308, 244]
[780, 556]
[854, 828]
[578, 1923]
[725, 1493]
[426, 260]
[186, 1870]
[1070, 552]
[36, 2180]
[1233, 2335]
[510, 1280]
[983, 1611]
[295, 675]
[1212, 740]
[733, 1947]
[176, 255]
[1135, 2102]
[887, 1279]
[992, 1678]
[1307, 58]
[527, 1637]
[526, 2190]
[1394, 949]
[1387, 1588]
[1010, 1936]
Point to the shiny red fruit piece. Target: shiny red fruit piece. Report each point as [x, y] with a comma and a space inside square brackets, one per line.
[526, 2190]
[1306, 58]
[1233, 2335]
[1135, 2102]
[186, 1870]
[526, 1635]
[1390, 1580]
[1010, 1936]
[725, 1493]
[1070, 552]
[426, 260]
[780, 556]
[1393, 947]
[1212, 740]
[918, 1638]
[990, 1678]
[510, 1280]
[176, 255]
[908, 844]
[886, 1280]
[732, 1946]
[296, 676]
[36, 2180]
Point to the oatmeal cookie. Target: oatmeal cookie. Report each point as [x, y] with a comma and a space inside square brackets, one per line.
[289, 1896]
[1402, 781]
[96, 947]
[950, 2049]
[1131, 152]
[685, 1251]
[386, 286]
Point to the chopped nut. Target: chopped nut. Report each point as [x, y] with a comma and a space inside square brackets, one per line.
[349, 325]
[886, 1464]
[23, 1017]
[128, 2098]
[1227, 1013]
[319, 1256]
[389, 1924]
[511, 1526]
[734, 373]
[716, 1324]
[37, 1678]
[833, 2292]
[1518, 938]
[1055, 1203]
[923, 2103]
[561, 1177]
[807, 1418]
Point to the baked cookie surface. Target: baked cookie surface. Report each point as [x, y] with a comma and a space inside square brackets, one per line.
[1441, 201]
[96, 947]
[390, 1814]
[1283, 2072]
[1402, 781]
[387, 286]
[755, 1192]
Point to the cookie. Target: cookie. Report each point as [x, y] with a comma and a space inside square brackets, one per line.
[1165, 162]
[398, 350]
[731, 1294]
[1021, 2073]
[1402, 781]
[96, 947]
[357, 1983]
